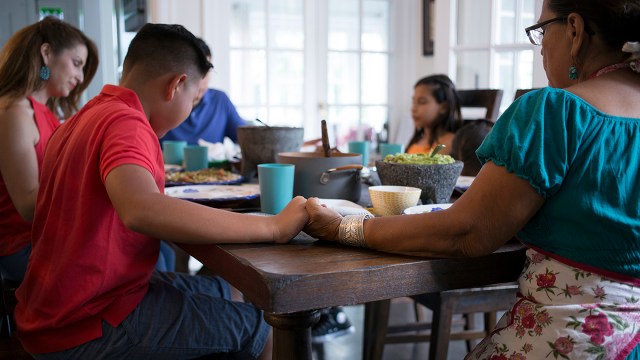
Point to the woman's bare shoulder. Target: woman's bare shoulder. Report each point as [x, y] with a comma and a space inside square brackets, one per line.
[17, 107]
[18, 113]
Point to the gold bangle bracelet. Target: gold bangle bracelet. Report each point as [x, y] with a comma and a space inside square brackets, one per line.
[351, 230]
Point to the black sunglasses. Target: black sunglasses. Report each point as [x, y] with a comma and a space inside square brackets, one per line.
[536, 32]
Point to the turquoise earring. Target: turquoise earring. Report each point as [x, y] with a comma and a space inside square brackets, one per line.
[44, 72]
[573, 72]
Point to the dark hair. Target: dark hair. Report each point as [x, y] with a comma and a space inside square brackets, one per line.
[617, 21]
[204, 47]
[161, 48]
[443, 90]
[21, 60]
[466, 142]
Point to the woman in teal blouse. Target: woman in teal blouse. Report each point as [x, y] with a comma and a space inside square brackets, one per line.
[561, 173]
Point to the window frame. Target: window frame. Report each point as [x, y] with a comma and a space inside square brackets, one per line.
[447, 50]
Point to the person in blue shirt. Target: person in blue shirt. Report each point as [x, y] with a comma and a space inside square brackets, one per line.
[561, 169]
[213, 117]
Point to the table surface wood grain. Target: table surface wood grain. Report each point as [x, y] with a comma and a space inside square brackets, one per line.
[306, 274]
[290, 282]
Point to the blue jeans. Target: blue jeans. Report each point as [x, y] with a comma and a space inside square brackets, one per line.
[181, 317]
[167, 258]
[14, 266]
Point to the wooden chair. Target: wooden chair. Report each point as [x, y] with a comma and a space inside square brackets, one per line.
[520, 92]
[488, 99]
[444, 305]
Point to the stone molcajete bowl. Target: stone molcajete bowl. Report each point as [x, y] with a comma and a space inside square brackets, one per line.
[435, 180]
[261, 144]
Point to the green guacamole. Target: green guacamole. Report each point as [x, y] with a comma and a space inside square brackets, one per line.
[419, 159]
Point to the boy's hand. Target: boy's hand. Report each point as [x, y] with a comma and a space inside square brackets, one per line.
[323, 222]
[289, 222]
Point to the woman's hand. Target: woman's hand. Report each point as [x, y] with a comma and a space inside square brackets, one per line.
[323, 222]
[289, 222]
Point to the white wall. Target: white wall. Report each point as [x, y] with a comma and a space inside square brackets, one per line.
[95, 18]
[424, 64]
[99, 26]
[408, 69]
[401, 124]
[14, 15]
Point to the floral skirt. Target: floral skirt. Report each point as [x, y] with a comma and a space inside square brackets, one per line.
[565, 313]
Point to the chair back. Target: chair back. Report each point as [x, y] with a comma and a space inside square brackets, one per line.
[520, 92]
[488, 99]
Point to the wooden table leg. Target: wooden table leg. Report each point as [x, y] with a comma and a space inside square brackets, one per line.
[292, 334]
[376, 318]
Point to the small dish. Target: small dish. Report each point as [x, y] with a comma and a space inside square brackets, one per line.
[421, 209]
[464, 182]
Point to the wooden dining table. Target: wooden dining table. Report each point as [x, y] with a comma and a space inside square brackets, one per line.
[292, 282]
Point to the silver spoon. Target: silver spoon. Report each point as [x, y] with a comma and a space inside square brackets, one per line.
[437, 150]
[261, 122]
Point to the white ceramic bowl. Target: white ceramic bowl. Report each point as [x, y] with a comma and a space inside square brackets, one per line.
[420, 209]
[392, 200]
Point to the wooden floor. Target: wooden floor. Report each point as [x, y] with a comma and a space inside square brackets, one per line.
[349, 347]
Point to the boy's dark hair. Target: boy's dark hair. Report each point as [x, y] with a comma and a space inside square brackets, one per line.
[466, 142]
[205, 48]
[163, 48]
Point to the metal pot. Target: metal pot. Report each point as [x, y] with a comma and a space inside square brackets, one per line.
[335, 177]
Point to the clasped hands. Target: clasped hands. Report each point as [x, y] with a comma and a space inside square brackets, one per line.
[323, 222]
[310, 216]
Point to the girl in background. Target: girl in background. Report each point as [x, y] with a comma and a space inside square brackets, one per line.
[436, 113]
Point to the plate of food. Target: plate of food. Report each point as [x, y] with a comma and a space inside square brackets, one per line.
[421, 209]
[344, 207]
[214, 192]
[213, 176]
[172, 168]
[464, 182]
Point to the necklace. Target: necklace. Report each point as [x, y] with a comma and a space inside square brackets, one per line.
[610, 68]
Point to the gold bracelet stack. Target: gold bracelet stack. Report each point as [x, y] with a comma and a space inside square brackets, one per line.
[351, 230]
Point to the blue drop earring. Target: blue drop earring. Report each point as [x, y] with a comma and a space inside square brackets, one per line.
[44, 72]
[573, 72]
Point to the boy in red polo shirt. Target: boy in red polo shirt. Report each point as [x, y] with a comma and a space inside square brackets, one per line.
[90, 287]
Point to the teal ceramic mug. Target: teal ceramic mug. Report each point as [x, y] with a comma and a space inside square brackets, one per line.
[276, 186]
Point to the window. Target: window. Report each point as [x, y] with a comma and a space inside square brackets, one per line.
[357, 68]
[267, 60]
[282, 78]
[491, 48]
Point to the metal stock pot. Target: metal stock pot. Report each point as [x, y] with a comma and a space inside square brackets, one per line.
[335, 177]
